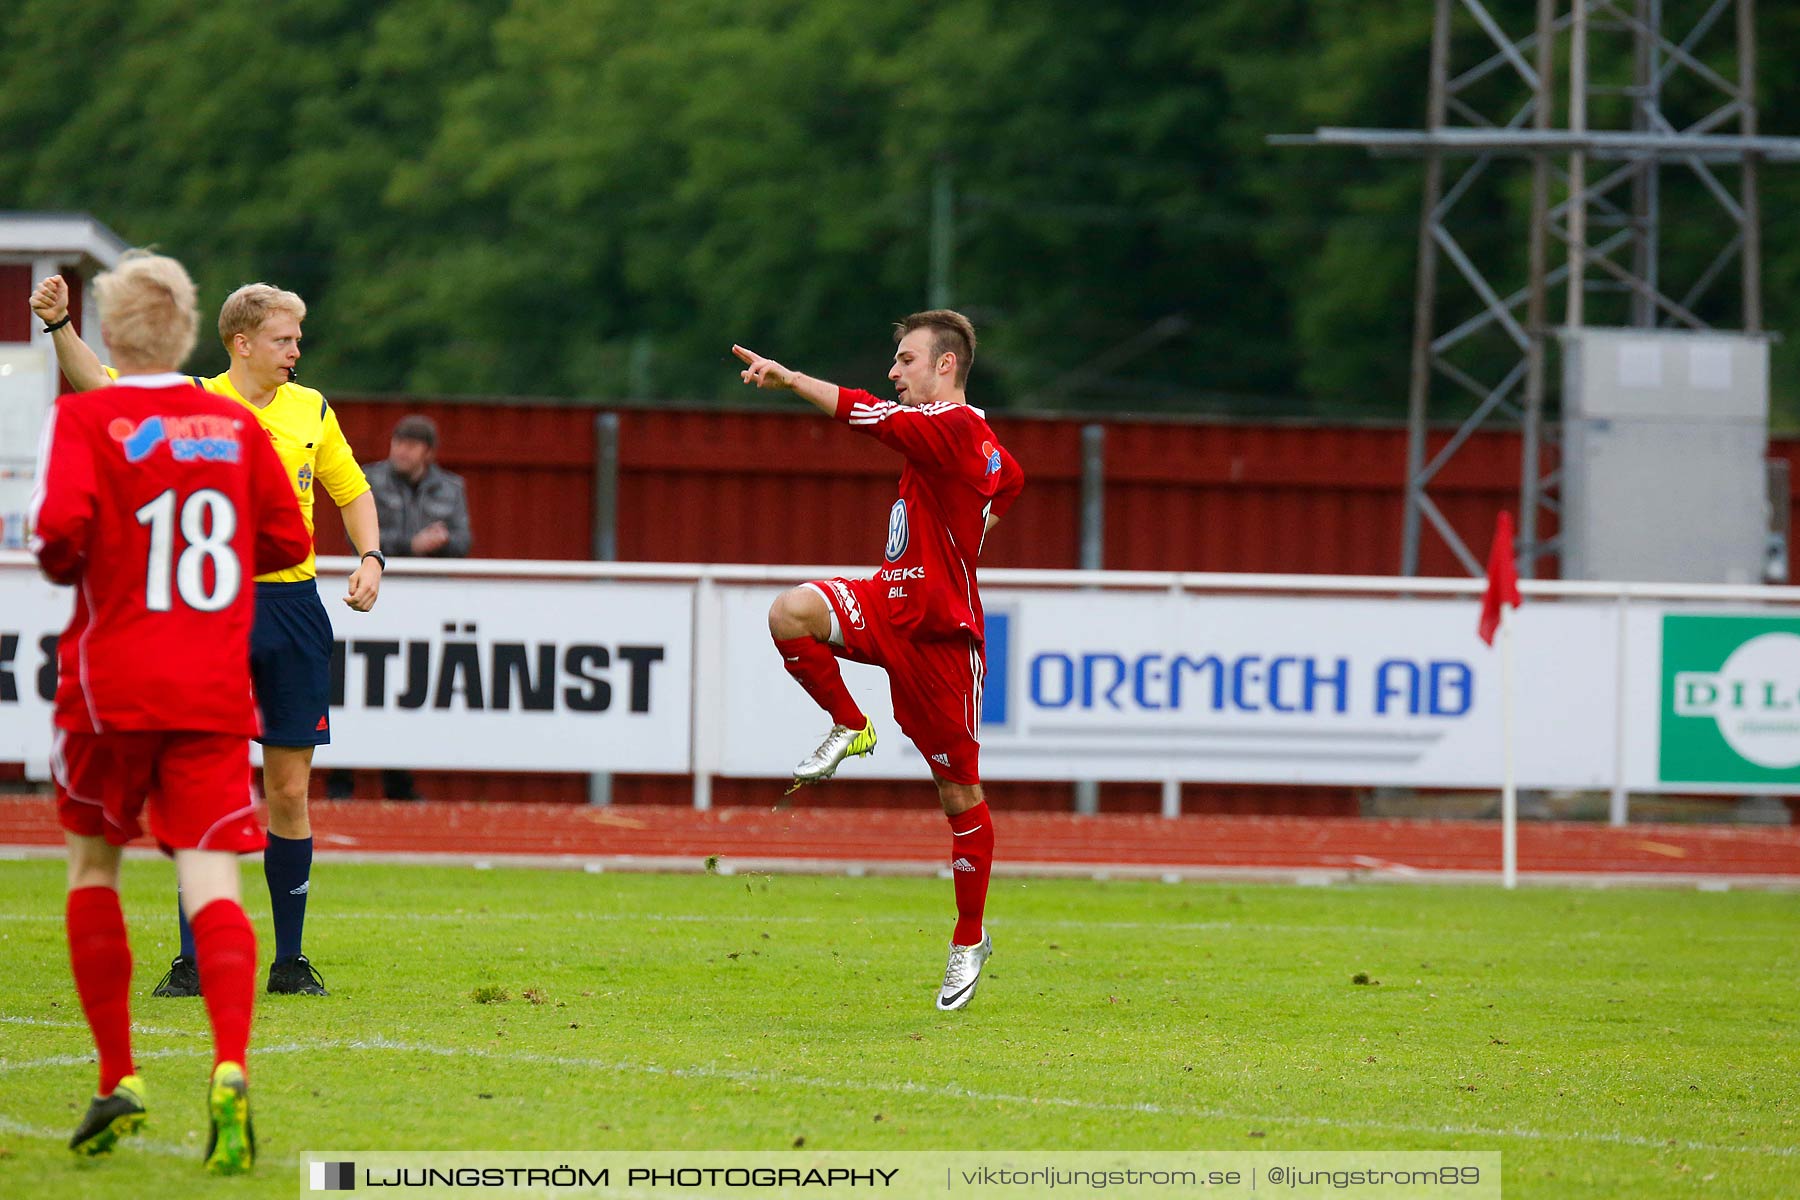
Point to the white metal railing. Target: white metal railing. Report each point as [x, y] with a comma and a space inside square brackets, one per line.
[709, 576]
[1015, 577]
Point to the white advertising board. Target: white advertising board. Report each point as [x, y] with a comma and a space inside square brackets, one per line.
[543, 675]
[32, 613]
[669, 669]
[1714, 699]
[540, 675]
[1163, 686]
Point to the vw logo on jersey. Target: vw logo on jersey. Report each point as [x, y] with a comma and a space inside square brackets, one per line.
[896, 543]
[305, 476]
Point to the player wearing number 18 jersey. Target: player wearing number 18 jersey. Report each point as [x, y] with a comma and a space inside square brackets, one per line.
[291, 639]
[159, 502]
[183, 498]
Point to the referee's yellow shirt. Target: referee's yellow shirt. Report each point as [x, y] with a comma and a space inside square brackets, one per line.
[312, 447]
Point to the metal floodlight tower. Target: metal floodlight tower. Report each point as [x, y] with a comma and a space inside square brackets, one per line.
[1503, 106]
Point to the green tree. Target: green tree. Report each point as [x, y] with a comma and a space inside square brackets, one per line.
[594, 198]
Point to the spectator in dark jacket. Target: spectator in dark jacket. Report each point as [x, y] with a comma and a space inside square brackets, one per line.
[423, 508]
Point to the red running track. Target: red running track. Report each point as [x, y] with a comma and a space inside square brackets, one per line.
[826, 838]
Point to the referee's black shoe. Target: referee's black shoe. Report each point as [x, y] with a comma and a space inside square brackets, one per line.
[295, 976]
[182, 979]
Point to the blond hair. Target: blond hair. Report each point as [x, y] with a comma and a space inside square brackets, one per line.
[246, 309]
[951, 333]
[148, 316]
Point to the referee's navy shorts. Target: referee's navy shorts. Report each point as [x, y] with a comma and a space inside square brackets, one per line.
[290, 664]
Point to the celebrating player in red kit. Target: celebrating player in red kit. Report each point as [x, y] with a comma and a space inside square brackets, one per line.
[920, 616]
[159, 502]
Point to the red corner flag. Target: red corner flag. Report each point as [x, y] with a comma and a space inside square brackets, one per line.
[1502, 579]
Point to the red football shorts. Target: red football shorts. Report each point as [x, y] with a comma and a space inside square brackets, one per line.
[195, 786]
[935, 683]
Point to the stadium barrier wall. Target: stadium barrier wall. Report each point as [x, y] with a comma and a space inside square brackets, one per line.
[1118, 676]
[768, 486]
[772, 487]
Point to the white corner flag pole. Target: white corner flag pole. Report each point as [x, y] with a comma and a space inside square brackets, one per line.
[1509, 791]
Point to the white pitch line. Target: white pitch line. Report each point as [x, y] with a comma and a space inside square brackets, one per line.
[1015, 923]
[252, 913]
[146, 1030]
[79, 1060]
[752, 919]
[954, 1092]
[151, 1145]
[134, 1142]
[1010, 923]
[850, 922]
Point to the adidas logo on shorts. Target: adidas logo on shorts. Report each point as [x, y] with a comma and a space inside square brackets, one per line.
[942, 759]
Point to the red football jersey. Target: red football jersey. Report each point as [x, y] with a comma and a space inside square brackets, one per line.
[159, 502]
[956, 474]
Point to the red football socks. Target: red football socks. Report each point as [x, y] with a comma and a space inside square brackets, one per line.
[101, 959]
[225, 950]
[971, 858]
[815, 667]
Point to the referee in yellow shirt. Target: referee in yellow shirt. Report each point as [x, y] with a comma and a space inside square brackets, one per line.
[290, 656]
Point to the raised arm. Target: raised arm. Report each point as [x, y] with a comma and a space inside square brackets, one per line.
[80, 365]
[767, 373]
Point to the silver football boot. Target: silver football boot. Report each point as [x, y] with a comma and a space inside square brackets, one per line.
[963, 972]
[841, 743]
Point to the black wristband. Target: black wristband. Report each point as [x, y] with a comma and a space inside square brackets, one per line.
[378, 556]
[53, 326]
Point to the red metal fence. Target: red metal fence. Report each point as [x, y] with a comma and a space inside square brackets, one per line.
[773, 487]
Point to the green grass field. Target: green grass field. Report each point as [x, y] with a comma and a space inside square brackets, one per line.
[1624, 1043]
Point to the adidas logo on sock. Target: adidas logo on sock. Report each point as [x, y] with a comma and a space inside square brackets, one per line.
[944, 759]
[962, 864]
[301, 890]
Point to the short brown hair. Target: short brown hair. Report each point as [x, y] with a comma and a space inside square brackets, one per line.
[416, 427]
[246, 309]
[951, 333]
[148, 314]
